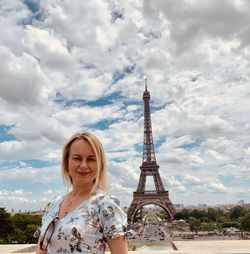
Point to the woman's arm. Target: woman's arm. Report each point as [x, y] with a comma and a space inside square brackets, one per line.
[118, 245]
[39, 251]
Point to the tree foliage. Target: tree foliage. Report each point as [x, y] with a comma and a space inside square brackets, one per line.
[245, 222]
[195, 225]
[18, 228]
[210, 219]
[6, 225]
[236, 212]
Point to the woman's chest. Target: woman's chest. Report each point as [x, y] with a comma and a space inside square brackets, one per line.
[78, 231]
[82, 223]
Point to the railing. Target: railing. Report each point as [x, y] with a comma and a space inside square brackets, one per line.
[150, 193]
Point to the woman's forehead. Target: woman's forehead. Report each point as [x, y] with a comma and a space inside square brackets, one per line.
[81, 146]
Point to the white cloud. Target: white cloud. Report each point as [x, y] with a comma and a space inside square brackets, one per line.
[210, 19]
[39, 128]
[12, 15]
[247, 151]
[48, 49]
[22, 81]
[30, 175]
[85, 115]
[122, 192]
[86, 85]
[73, 20]
[190, 179]
[217, 187]
[21, 200]
[125, 174]
[214, 155]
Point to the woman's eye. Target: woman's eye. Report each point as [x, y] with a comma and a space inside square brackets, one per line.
[76, 158]
[91, 159]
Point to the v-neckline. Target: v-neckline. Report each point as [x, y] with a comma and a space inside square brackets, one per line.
[72, 211]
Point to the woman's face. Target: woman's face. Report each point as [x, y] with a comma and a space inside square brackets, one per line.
[82, 163]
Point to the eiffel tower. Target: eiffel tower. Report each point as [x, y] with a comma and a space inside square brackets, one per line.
[149, 167]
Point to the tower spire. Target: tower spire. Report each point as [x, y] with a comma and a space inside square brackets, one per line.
[146, 85]
[148, 144]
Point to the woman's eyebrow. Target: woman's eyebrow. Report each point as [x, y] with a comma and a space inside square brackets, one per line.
[75, 154]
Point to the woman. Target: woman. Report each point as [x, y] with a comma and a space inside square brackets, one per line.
[87, 218]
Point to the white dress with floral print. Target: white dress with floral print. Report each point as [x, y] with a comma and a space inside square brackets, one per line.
[85, 229]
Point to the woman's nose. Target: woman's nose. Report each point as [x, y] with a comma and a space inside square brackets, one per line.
[83, 164]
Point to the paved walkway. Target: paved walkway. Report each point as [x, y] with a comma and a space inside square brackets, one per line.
[184, 247]
[214, 247]
[10, 248]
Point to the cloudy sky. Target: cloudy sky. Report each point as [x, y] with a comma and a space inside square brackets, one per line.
[69, 65]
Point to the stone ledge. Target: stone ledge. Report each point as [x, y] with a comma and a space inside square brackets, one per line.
[184, 247]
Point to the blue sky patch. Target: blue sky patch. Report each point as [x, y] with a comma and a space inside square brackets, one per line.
[118, 160]
[227, 179]
[103, 101]
[26, 163]
[139, 147]
[9, 164]
[4, 135]
[120, 74]
[159, 142]
[191, 145]
[32, 5]
[39, 163]
[102, 125]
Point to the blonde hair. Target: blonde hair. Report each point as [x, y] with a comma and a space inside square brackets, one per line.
[101, 177]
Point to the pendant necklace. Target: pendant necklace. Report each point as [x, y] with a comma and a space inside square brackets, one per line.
[69, 204]
[71, 199]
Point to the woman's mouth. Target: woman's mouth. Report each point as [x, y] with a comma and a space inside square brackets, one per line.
[81, 173]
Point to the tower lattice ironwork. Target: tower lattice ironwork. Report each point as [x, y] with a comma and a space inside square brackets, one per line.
[149, 167]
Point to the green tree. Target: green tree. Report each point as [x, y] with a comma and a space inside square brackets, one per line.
[222, 219]
[205, 219]
[162, 215]
[25, 226]
[211, 214]
[207, 226]
[198, 214]
[6, 225]
[218, 218]
[22, 220]
[245, 222]
[183, 214]
[29, 232]
[17, 236]
[229, 224]
[236, 212]
[195, 225]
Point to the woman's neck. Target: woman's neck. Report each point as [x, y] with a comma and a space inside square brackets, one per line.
[81, 191]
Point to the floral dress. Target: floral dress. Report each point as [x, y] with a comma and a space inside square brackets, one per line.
[86, 228]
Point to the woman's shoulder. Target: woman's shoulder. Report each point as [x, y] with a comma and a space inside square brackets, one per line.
[105, 198]
[50, 213]
[54, 200]
[108, 204]
[112, 217]
[52, 205]
[111, 199]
